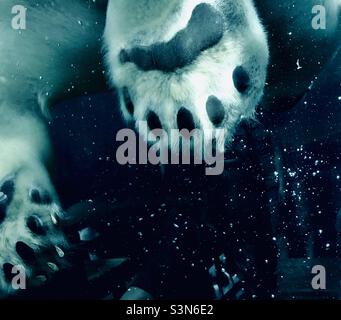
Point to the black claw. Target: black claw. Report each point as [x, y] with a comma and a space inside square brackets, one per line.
[153, 121]
[25, 251]
[241, 79]
[39, 197]
[36, 225]
[185, 120]
[7, 268]
[215, 110]
[35, 196]
[58, 218]
[7, 187]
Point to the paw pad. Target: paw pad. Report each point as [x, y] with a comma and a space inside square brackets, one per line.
[28, 215]
[36, 225]
[204, 30]
[39, 197]
[241, 79]
[153, 121]
[215, 110]
[194, 72]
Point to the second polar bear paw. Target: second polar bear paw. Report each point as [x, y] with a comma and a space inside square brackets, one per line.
[31, 242]
[187, 64]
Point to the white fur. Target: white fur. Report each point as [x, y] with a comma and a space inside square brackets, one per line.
[59, 55]
[37, 67]
[143, 22]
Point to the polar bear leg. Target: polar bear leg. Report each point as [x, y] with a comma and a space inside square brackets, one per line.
[188, 64]
[29, 207]
[46, 62]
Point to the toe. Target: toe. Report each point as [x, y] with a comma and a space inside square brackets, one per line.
[185, 120]
[25, 252]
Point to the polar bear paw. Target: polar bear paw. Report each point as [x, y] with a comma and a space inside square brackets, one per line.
[31, 242]
[188, 65]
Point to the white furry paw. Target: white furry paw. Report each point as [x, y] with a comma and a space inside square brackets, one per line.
[31, 241]
[188, 64]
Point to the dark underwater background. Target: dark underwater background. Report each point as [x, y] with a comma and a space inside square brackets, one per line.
[175, 224]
